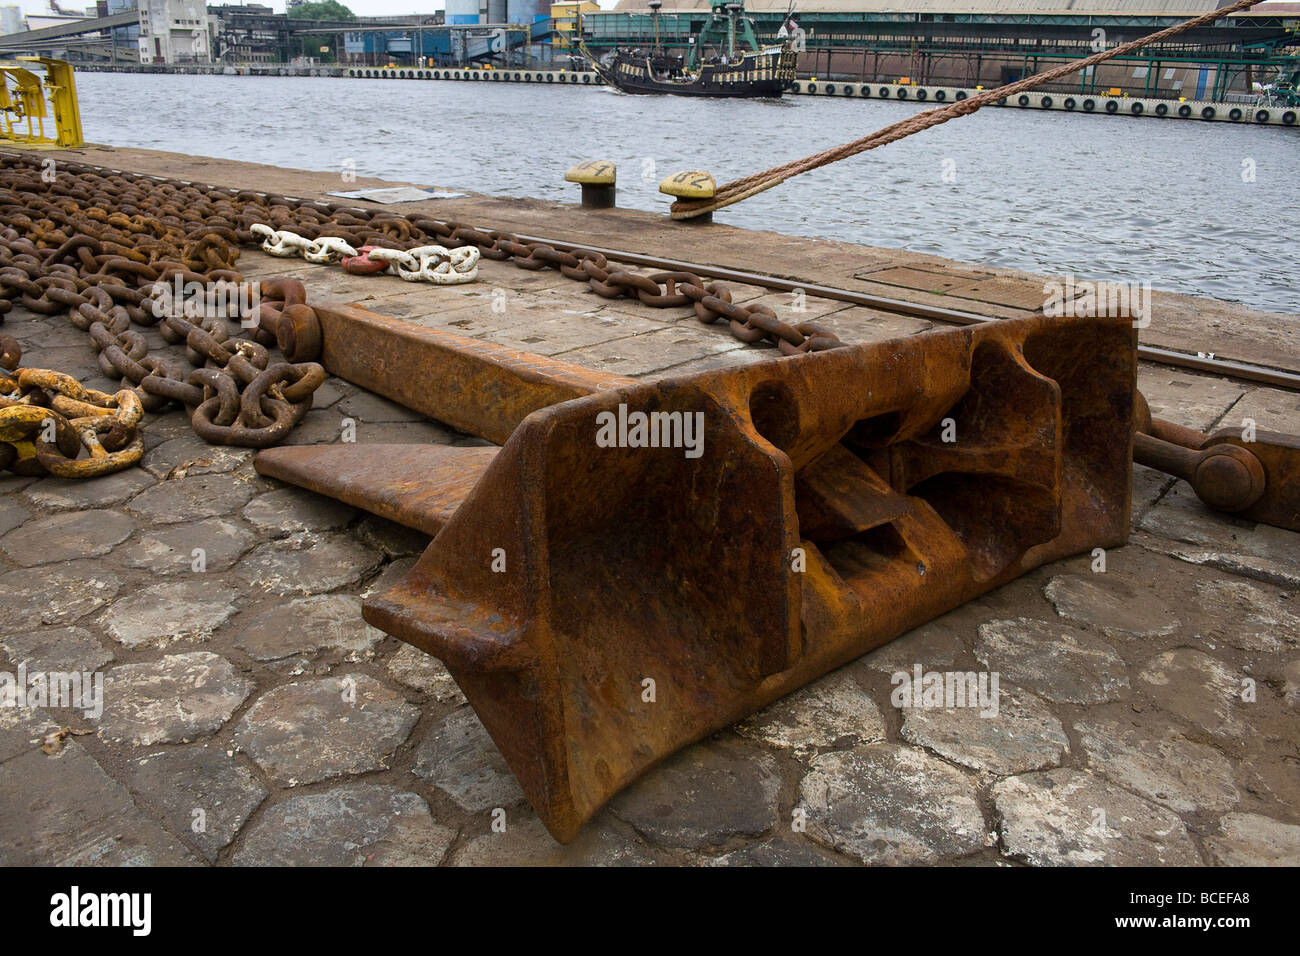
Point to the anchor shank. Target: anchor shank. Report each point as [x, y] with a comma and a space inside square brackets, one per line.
[479, 387]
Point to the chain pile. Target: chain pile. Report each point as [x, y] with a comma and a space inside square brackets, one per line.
[112, 253]
[108, 249]
[234, 212]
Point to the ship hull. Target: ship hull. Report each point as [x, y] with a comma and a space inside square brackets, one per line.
[698, 88]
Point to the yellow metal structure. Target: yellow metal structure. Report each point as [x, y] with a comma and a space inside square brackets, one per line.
[23, 101]
[566, 18]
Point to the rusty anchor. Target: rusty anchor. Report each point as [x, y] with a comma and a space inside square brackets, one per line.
[839, 499]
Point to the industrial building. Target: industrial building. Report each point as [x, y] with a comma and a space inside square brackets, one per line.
[970, 43]
[481, 32]
[567, 16]
[175, 31]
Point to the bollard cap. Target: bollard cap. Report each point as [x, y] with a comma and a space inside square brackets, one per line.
[691, 184]
[594, 172]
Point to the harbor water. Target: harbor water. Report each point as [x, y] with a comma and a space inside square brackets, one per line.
[1204, 209]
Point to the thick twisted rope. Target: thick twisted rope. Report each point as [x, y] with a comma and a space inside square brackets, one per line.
[735, 191]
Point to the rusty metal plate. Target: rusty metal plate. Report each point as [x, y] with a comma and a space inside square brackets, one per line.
[419, 486]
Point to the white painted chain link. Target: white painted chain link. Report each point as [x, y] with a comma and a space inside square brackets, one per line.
[328, 249]
[285, 244]
[436, 264]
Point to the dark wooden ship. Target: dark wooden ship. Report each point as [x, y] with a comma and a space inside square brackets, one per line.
[726, 59]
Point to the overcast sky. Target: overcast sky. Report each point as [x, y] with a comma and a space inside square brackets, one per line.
[362, 8]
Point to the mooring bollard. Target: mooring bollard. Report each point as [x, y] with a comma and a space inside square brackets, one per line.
[691, 184]
[597, 177]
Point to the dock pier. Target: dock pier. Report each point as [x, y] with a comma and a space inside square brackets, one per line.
[1122, 679]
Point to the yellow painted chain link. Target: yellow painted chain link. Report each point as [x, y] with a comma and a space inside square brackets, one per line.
[48, 418]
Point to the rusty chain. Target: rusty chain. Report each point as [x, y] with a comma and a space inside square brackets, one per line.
[711, 301]
[62, 251]
[104, 248]
[213, 221]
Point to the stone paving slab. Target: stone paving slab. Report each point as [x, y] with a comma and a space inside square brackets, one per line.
[1193, 400]
[1162, 691]
[64, 810]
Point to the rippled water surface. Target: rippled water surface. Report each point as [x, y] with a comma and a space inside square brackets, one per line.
[1105, 198]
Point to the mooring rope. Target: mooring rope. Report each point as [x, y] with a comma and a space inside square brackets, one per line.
[735, 191]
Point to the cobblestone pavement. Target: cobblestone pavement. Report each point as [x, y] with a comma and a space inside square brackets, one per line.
[1148, 713]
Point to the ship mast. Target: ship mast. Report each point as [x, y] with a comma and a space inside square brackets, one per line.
[732, 8]
[654, 16]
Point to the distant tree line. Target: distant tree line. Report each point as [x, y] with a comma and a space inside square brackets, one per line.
[320, 10]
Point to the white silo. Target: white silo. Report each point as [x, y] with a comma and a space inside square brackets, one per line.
[462, 11]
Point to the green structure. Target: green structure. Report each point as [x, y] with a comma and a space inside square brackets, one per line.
[967, 43]
[727, 29]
